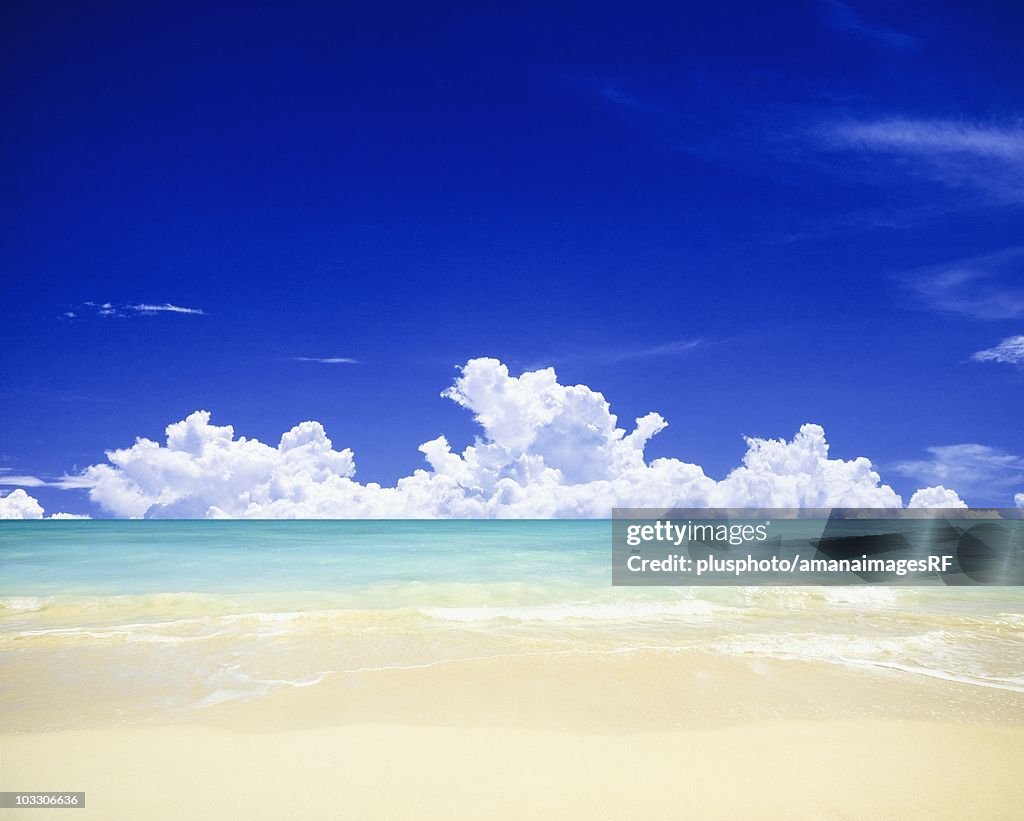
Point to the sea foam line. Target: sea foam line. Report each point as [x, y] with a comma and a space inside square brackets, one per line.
[1011, 684]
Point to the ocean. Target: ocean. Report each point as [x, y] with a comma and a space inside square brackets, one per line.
[164, 618]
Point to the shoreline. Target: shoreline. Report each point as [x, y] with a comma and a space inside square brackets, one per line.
[578, 734]
[584, 690]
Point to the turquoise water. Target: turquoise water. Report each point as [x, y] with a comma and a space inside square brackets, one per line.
[137, 557]
[170, 616]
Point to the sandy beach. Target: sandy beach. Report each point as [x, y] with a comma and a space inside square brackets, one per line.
[485, 670]
[626, 735]
[797, 769]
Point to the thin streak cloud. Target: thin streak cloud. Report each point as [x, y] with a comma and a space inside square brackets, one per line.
[327, 360]
[669, 349]
[166, 308]
[62, 482]
[113, 310]
[606, 356]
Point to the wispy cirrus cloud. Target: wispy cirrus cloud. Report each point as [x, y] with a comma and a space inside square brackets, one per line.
[843, 18]
[985, 287]
[1010, 352]
[977, 471]
[669, 349]
[610, 356]
[327, 360]
[934, 137]
[121, 310]
[8, 479]
[985, 157]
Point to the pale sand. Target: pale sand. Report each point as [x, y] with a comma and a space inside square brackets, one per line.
[642, 736]
[792, 769]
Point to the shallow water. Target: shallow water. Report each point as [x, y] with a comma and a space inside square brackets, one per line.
[174, 615]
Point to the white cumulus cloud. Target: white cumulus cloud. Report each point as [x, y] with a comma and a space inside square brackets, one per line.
[19, 505]
[1019, 499]
[937, 496]
[203, 470]
[545, 450]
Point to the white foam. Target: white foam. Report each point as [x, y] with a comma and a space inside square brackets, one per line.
[24, 604]
[221, 696]
[831, 647]
[938, 647]
[801, 598]
[309, 681]
[861, 596]
[1010, 619]
[591, 611]
[119, 634]
[1015, 684]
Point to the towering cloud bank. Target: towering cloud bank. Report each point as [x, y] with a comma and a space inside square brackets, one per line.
[546, 450]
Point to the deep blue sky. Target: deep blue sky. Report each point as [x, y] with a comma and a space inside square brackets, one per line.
[790, 185]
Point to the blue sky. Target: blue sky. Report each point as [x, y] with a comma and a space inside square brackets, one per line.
[743, 218]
